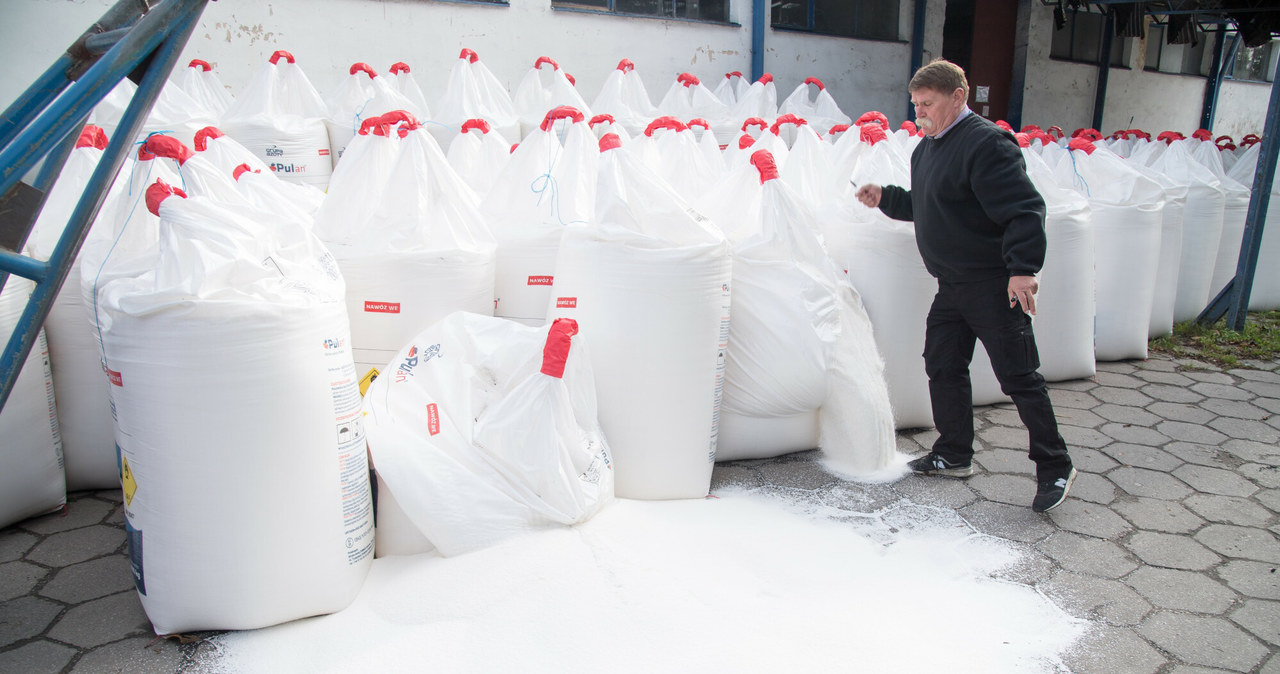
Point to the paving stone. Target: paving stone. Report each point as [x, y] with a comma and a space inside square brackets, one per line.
[1126, 414]
[1093, 488]
[1246, 429]
[1082, 554]
[1252, 579]
[1261, 618]
[1270, 498]
[18, 578]
[1004, 436]
[1181, 590]
[1091, 598]
[797, 475]
[37, 657]
[1267, 477]
[90, 580]
[1031, 568]
[78, 513]
[1224, 391]
[1212, 642]
[1016, 523]
[1180, 430]
[1111, 650]
[925, 437]
[1002, 488]
[733, 476]
[1271, 405]
[1159, 362]
[116, 518]
[14, 543]
[1120, 397]
[1203, 455]
[1075, 400]
[1241, 542]
[1001, 417]
[937, 492]
[1171, 551]
[1254, 452]
[1172, 394]
[1117, 366]
[102, 621]
[1160, 377]
[77, 545]
[1150, 483]
[110, 495]
[1265, 389]
[1156, 515]
[1272, 666]
[1089, 460]
[1215, 480]
[856, 497]
[25, 617]
[1181, 412]
[139, 655]
[1142, 456]
[1208, 372]
[999, 460]
[1089, 519]
[1084, 437]
[1111, 379]
[1138, 435]
[1229, 510]
[1081, 418]
[1256, 375]
[1232, 408]
[1075, 385]
[1187, 669]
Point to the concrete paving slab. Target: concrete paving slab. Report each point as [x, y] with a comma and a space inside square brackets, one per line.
[1172, 394]
[1269, 497]
[1087, 555]
[1198, 640]
[1092, 598]
[1267, 477]
[1089, 460]
[1229, 510]
[1231, 408]
[103, 621]
[1251, 579]
[1185, 669]
[1156, 376]
[1181, 590]
[1149, 483]
[1137, 435]
[1261, 618]
[1264, 389]
[139, 655]
[1004, 417]
[729, 475]
[1126, 414]
[1004, 436]
[1093, 488]
[1272, 666]
[1254, 452]
[1081, 418]
[77, 545]
[1195, 414]
[1016, 523]
[1180, 430]
[1115, 380]
[1171, 551]
[1228, 391]
[1203, 455]
[1241, 542]
[1003, 488]
[1246, 429]
[25, 617]
[797, 475]
[14, 543]
[1207, 373]
[37, 657]
[19, 578]
[1077, 385]
[856, 497]
[1110, 650]
[933, 491]
[1117, 367]
[999, 460]
[1124, 397]
[1214, 481]
[1064, 399]
[79, 512]
[1255, 375]
[89, 580]
[1142, 456]
[1089, 519]
[1158, 515]
[1084, 437]
[1031, 569]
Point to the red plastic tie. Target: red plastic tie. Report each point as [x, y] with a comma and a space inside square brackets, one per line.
[513, 148]
[667, 122]
[282, 54]
[1081, 143]
[910, 126]
[765, 78]
[1004, 125]
[626, 66]
[1169, 136]
[745, 141]
[572, 81]
[600, 119]
[763, 161]
[562, 112]
[92, 136]
[1031, 127]
[1024, 140]
[816, 82]
[610, 141]
[243, 169]
[736, 73]
[543, 60]
[362, 68]
[1202, 134]
[165, 146]
[556, 351]
[203, 136]
[873, 116]
[475, 124]
[376, 125]
[872, 133]
[1052, 129]
[469, 55]
[788, 118]
[688, 79]
[399, 67]
[754, 121]
[158, 192]
[838, 128]
[201, 64]
[698, 121]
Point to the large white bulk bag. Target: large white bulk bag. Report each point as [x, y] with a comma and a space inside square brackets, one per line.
[545, 186]
[1201, 227]
[648, 283]
[1127, 208]
[473, 92]
[279, 117]
[1171, 233]
[671, 150]
[174, 112]
[224, 152]
[1265, 293]
[707, 143]
[808, 166]
[84, 407]
[242, 448]
[484, 430]
[759, 100]
[199, 82]
[362, 95]
[402, 81]
[31, 481]
[822, 111]
[542, 89]
[624, 98]
[417, 252]
[688, 98]
[1233, 215]
[731, 88]
[479, 154]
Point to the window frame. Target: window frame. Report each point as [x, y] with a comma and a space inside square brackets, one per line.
[1269, 69]
[811, 29]
[1161, 43]
[1121, 47]
[610, 10]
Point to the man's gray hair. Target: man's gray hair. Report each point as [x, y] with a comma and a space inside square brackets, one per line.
[940, 75]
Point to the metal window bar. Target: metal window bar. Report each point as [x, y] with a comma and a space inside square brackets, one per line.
[133, 34]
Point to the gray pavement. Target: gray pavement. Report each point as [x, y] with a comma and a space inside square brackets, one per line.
[1168, 543]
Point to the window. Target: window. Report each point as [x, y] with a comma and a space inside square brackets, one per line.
[1183, 59]
[698, 10]
[1255, 63]
[867, 19]
[1080, 39]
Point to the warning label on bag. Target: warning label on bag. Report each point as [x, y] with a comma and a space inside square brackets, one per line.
[541, 280]
[127, 483]
[433, 419]
[116, 379]
[566, 302]
[353, 465]
[381, 307]
[367, 380]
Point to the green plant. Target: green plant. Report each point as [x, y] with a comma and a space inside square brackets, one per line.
[1260, 340]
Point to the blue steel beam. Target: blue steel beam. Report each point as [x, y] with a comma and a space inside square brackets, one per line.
[1104, 70]
[917, 48]
[160, 35]
[759, 19]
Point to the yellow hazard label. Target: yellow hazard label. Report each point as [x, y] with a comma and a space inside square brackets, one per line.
[127, 483]
[367, 380]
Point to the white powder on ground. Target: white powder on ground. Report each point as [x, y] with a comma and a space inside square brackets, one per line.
[741, 583]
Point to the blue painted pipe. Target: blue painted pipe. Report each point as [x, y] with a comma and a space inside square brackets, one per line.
[759, 19]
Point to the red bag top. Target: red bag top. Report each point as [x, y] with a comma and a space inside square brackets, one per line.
[745, 141]
[1202, 134]
[513, 148]
[667, 122]
[241, 170]
[1024, 140]
[282, 54]
[788, 118]
[816, 82]
[1250, 139]
[910, 127]
[201, 64]
[1082, 143]
[872, 133]
[1087, 134]
[562, 112]
[475, 124]
[468, 54]
[838, 128]
[555, 353]
[399, 67]
[754, 121]
[626, 66]
[729, 76]
[572, 81]
[203, 136]
[698, 121]
[92, 136]
[601, 118]
[765, 78]
[610, 141]
[1031, 127]
[1058, 129]
[1004, 125]
[873, 116]
[765, 164]
[1170, 136]
[164, 146]
[542, 60]
[362, 68]
[158, 192]
[688, 79]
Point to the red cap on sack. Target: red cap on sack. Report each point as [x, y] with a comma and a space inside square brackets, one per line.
[362, 68]
[788, 118]
[475, 124]
[765, 78]
[1202, 134]
[626, 66]
[158, 192]
[1223, 137]
[763, 161]
[561, 112]
[513, 148]
[1120, 133]
[469, 55]
[1250, 139]
[92, 136]
[1081, 143]
[667, 122]
[610, 141]
[201, 64]
[1044, 138]
[754, 121]
[572, 81]
[543, 60]
[910, 126]
[203, 136]
[745, 141]
[598, 119]
[698, 122]
[397, 116]
[556, 351]
[872, 133]
[873, 116]
[1051, 129]
[241, 170]
[1024, 140]
[399, 67]
[281, 54]
[1004, 125]
[688, 79]
[1031, 127]
[1226, 146]
[729, 76]
[165, 146]
[377, 125]
[1170, 136]
[816, 82]
[406, 127]
[838, 128]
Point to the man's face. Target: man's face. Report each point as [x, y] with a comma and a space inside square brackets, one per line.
[935, 110]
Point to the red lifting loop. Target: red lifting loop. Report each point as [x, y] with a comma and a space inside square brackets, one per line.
[599, 119]
[513, 148]
[561, 113]
[1202, 134]
[788, 118]
[664, 123]
[838, 128]
[688, 80]
[399, 116]
[1223, 137]
[1169, 136]
[282, 54]
[475, 124]
[754, 121]
[556, 351]
[241, 170]
[1024, 140]
[374, 124]
[1031, 127]
[158, 192]
[571, 79]
[698, 122]
[1052, 129]
[873, 116]
[610, 141]
[362, 68]
[736, 73]
[763, 161]
[469, 55]
[201, 64]
[1081, 143]
[399, 67]
[765, 78]
[815, 82]
[746, 141]
[872, 133]
[1227, 146]
[910, 126]
[203, 136]
[1004, 125]
[407, 127]
[92, 136]
[542, 60]
[626, 66]
[164, 146]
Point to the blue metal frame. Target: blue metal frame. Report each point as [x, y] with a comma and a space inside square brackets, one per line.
[759, 19]
[917, 48]
[1104, 69]
[43, 118]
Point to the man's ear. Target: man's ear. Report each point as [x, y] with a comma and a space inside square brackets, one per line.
[959, 95]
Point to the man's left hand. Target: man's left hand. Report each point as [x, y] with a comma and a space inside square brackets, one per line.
[1022, 291]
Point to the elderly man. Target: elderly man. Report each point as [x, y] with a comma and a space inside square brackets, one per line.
[979, 225]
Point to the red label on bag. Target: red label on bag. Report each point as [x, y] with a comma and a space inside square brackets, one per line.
[324, 153]
[382, 307]
[433, 419]
[541, 280]
[566, 302]
[115, 378]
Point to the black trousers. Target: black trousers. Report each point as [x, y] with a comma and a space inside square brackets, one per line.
[961, 313]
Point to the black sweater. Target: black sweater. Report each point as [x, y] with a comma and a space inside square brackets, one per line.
[977, 215]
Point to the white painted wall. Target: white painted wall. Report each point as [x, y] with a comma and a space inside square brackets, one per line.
[1242, 109]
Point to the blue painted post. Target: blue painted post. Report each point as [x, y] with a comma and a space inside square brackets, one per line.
[759, 19]
[1104, 69]
[1256, 218]
[917, 48]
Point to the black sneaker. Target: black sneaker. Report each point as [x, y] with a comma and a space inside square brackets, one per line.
[1051, 492]
[932, 464]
